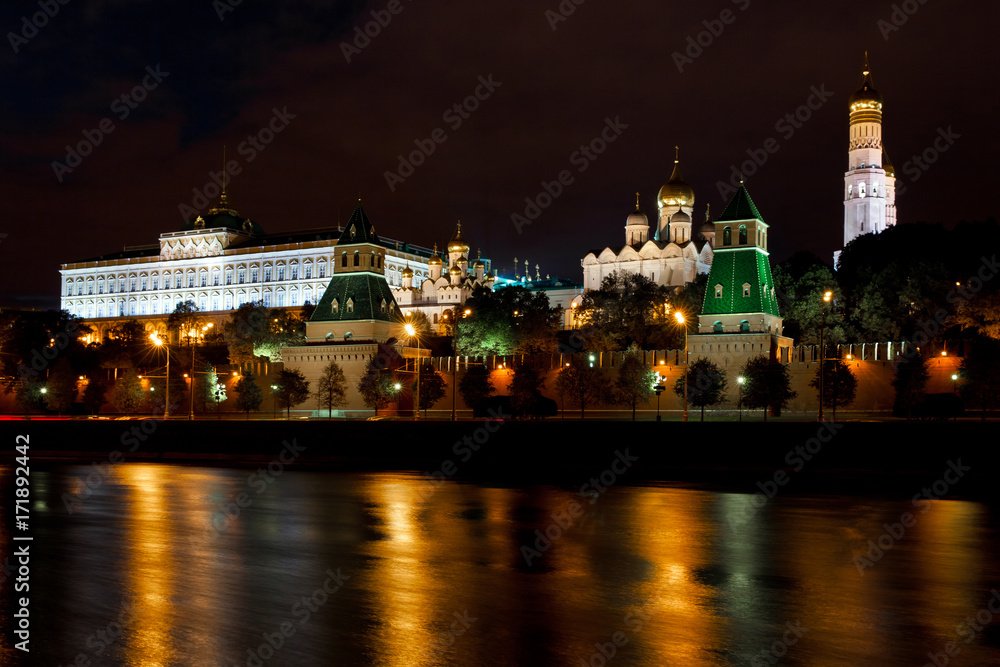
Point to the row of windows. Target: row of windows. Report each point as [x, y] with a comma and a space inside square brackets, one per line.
[727, 235]
[190, 279]
[746, 291]
[861, 190]
[204, 302]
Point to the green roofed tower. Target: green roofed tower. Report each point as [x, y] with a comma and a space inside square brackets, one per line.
[740, 296]
[357, 304]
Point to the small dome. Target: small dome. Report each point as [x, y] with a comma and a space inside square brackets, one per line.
[637, 218]
[680, 217]
[435, 260]
[708, 227]
[866, 97]
[407, 272]
[458, 244]
[890, 171]
[479, 264]
[675, 191]
[455, 271]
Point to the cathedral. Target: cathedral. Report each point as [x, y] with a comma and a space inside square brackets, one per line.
[870, 181]
[673, 256]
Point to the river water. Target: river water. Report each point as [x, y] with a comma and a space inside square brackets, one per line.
[324, 568]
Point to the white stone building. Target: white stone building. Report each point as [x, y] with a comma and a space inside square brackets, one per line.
[676, 253]
[870, 181]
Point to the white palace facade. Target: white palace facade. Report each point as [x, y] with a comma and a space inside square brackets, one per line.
[674, 255]
[221, 260]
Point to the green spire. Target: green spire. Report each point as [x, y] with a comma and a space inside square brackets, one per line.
[740, 207]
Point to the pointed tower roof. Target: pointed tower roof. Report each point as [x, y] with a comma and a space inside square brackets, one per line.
[359, 229]
[740, 207]
[866, 93]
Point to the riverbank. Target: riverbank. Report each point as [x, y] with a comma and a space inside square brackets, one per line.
[892, 458]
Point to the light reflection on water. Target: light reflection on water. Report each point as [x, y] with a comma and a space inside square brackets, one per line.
[440, 577]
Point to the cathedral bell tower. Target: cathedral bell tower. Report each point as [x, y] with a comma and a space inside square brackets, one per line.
[869, 183]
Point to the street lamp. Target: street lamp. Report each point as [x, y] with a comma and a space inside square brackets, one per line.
[739, 381]
[827, 296]
[159, 342]
[274, 400]
[411, 332]
[680, 320]
[658, 387]
[954, 383]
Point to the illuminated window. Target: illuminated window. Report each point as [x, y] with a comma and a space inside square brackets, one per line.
[717, 327]
[267, 273]
[335, 306]
[743, 234]
[727, 236]
[281, 273]
[745, 326]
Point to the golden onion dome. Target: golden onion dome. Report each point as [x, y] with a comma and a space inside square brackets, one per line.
[407, 272]
[866, 97]
[675, 192]
[458, 244]
[435, 260]
[455, 271]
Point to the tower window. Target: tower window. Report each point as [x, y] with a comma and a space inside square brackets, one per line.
[746, 289]
[727, 236]
[343, 260]
[718, 291]
[357, 258]
[717, 327]
[335, 307]
[743, 234]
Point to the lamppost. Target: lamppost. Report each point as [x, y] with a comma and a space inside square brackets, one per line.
[658, 387]
[159, 342]
[274, 400]
[739, 381]
[827, 296]
[954, 383]
[411, 332]
[680, 320]
[192, 339]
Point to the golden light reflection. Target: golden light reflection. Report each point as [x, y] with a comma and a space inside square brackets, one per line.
[151, 568]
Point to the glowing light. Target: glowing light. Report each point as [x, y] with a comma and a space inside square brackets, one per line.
[398, 386]
[741, 379]
[954, 377]
[679, 316]
[410, 330]
[944, 353]
[827, 296]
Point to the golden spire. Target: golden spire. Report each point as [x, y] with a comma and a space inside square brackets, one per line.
[708, 212]
[677, 154]
[636, 202]
[223, 199]
[868, 69]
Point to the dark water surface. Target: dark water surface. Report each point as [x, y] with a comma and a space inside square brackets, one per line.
[147, 570]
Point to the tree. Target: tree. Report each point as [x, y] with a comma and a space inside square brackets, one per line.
[800, 283]
[982, 313]
[29, 396]
[183, 320]
[331, 390]
[910, 384]
[839, 385]
[635, 380]
[254, 331]
[293, 389]
[248, 394]
[767, 384]
[507, 321]
[124, 345]
[212, 391]
[94, 396]
[980, 374]
[431, 386]
[585, 383]
[706, 385]
[377, 386]
[61, 388]
[476, 385]
[128, 392]
[526, 390]
[627, 308]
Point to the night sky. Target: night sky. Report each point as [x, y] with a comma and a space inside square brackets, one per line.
[557, 89]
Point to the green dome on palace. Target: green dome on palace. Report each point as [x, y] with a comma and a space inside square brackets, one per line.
[221, 215]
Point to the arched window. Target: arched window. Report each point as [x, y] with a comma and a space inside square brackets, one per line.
[727, 236]
[746, 289]
[743, 234]
[281, 272]
[717, 327]
[335, 306]
[343, 260]
[745, 326]
[357, 258]
[350, 305]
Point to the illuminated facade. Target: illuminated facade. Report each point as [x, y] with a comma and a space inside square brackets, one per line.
[870, 182]
[673, 257]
